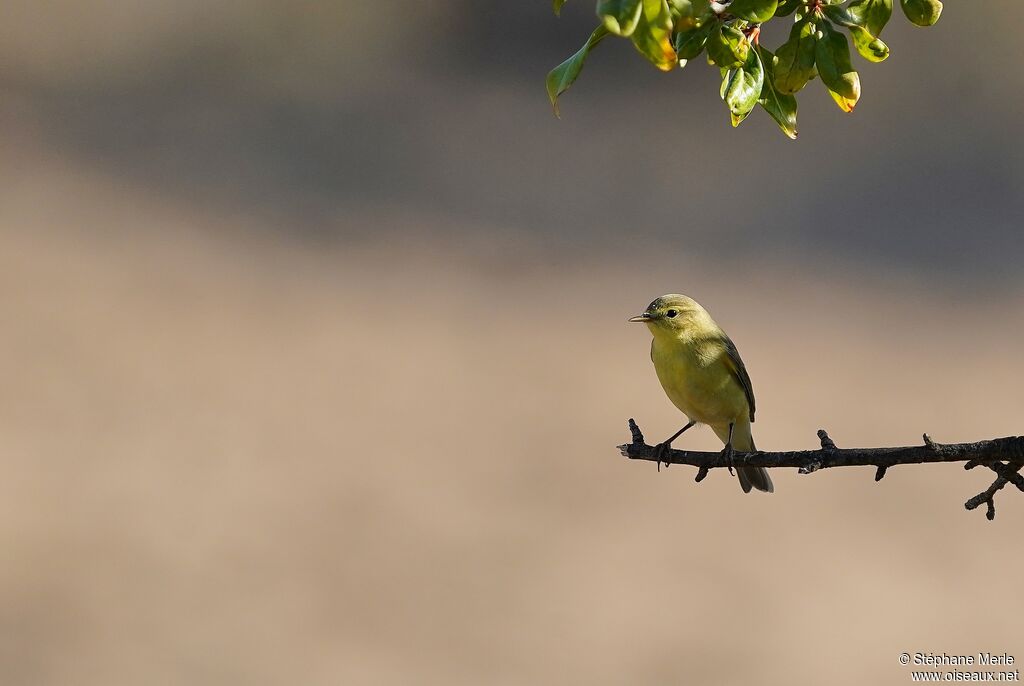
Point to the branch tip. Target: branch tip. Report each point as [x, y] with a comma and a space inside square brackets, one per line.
[638, 436]
[989, 494]
[826, 442]
[880, 472]
[702, 471]
[972, 503]
[929, 442]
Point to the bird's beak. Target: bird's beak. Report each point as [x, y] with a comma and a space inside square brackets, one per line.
[642, 318]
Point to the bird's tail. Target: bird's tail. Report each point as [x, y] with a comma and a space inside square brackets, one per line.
[755, 477]
[743, 442]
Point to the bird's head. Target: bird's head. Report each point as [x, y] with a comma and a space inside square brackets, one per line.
[671, 314]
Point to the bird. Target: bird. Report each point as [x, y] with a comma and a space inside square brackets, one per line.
[700, 369]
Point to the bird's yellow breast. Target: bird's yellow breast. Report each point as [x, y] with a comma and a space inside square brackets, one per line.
[697, 379]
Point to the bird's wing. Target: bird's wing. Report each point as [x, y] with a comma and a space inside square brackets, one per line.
[739, 371]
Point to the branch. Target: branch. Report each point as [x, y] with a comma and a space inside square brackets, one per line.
[1004, 456]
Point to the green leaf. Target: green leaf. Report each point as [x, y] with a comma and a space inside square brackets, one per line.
[873, 15]
[556, 5]
[728, 47]
[838, 15]
[681, 8]
[922, 12]
[691, 43]
[619, 16]
[741, 87]
[688, 15]
[832, 56]
[755, 11]
[561, 77]
[870, 47]
[794, 64]
[780, 106]
[653, 35]
[787, 7]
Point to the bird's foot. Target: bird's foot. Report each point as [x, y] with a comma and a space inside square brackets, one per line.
[728, 452]
[661, 453]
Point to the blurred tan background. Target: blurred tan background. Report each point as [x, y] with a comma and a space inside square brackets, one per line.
[315, 353]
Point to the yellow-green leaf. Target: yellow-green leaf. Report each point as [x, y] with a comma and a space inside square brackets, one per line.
[689, 14]
[561, 77]
[653, 34]
[727, 47]
[619, 16]
[869, 47]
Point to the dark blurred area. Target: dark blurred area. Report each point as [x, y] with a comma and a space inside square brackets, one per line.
[315, 352]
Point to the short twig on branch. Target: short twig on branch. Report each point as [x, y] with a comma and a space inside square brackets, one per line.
[1004, 456]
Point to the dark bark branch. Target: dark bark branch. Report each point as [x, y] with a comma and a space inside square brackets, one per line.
[1004, 456]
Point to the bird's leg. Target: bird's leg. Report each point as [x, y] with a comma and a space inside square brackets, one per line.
[662, 448]
[728, 451]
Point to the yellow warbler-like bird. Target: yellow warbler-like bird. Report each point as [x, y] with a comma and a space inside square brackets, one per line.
[703, 375]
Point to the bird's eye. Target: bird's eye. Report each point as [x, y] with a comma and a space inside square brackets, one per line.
[671, 313]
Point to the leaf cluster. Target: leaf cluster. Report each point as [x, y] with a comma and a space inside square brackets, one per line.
[673, 33]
